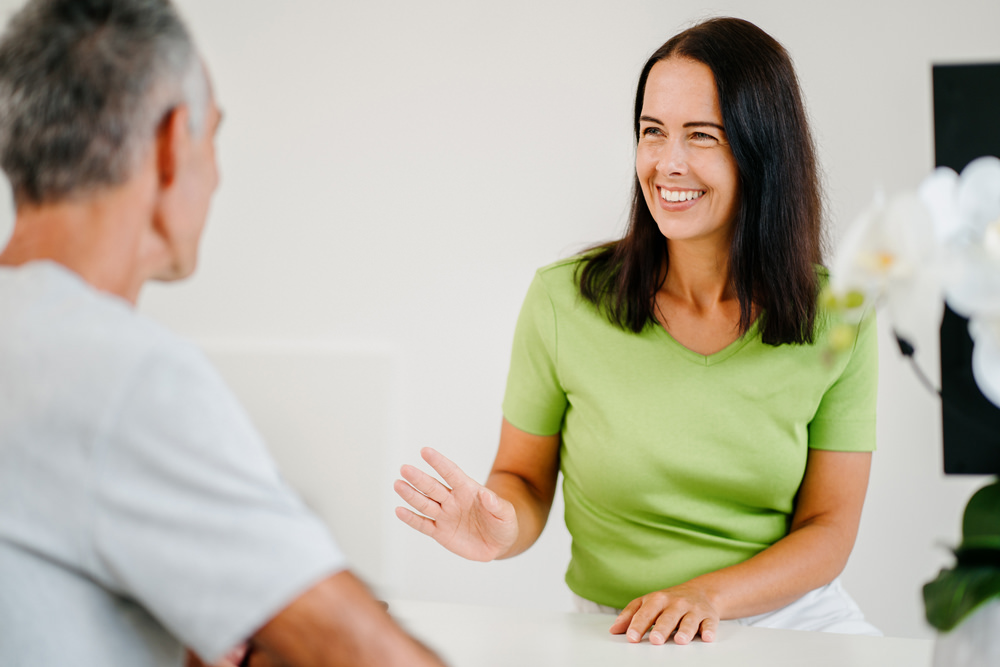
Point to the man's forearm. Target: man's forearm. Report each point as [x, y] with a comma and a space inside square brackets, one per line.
[337, 623]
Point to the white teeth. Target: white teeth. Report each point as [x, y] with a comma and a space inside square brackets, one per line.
[680, 195]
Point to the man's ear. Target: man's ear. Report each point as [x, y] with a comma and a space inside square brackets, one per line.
[171, 137]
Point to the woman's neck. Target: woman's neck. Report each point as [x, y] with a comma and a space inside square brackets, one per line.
[698, 275]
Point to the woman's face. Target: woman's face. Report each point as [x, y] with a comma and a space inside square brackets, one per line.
[685, 166]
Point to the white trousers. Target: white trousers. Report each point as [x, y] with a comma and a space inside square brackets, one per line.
[826, 609]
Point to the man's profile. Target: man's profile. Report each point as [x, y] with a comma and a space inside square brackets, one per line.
[140, 514]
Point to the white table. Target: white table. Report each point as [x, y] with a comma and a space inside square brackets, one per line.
[472, 636]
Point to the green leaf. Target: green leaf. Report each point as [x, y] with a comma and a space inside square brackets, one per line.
[956, 593]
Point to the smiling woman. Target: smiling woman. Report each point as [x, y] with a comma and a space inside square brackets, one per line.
[714, 466]
[738, 94]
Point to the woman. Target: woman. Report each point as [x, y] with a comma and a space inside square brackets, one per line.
[715, 459]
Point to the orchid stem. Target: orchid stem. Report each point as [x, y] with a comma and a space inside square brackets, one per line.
[907, 349]
[924, 380]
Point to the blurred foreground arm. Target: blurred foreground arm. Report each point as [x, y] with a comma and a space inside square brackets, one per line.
[337, 622]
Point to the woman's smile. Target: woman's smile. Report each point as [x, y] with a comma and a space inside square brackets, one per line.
[673, 199]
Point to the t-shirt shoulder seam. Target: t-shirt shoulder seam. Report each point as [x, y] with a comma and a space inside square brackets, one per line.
[555, 315]
[560, 264]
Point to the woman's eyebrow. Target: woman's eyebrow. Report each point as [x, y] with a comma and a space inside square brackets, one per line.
[704, 123]
[694, 123]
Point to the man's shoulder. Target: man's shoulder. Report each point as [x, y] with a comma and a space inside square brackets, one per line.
[60, 332]
[47, 303]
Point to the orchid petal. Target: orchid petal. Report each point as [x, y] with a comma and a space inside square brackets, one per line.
[847, 271]
[973, 283]
[909, 230]
[939, 192]
[991, 240]
[915, 307]
[890, 251]
[986, 357]
[979, 193]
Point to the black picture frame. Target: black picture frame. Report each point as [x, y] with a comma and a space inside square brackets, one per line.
[966, 126]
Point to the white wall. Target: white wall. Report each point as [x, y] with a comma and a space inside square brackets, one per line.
[393, 173]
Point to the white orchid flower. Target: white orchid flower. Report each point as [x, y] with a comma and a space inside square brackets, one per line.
[966, 213]
[890, 254]
[918, 249]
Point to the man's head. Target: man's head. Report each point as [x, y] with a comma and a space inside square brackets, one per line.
[97, 96]
[84, 84]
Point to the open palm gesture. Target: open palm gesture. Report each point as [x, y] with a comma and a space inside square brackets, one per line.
[463, 516]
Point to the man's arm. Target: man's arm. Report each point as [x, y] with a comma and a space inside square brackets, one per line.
[336, 622]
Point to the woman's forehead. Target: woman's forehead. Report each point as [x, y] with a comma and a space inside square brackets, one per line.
[681, 86]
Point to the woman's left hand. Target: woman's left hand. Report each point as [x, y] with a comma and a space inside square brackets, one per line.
[684, 611]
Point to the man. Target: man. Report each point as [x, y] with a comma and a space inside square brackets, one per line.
[139, 511]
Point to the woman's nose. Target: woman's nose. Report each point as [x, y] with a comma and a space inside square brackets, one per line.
[673, 159]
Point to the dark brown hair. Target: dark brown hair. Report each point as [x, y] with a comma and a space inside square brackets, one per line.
[776, 234]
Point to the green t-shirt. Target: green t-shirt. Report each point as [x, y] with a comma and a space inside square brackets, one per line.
[674, 463]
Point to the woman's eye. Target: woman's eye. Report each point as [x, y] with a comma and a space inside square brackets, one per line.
[652, 132]
[701, 136]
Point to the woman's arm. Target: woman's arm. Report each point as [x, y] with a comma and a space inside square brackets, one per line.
[483, 523]
[824, 527]
[525, 472]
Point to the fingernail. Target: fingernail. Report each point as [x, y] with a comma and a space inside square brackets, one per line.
[656, 638]
[680, 638]
[708, 636]
[632, 635]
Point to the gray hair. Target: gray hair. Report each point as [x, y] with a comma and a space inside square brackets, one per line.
[84, 85]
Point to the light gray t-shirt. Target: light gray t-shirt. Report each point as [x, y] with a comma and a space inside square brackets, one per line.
[139, 509]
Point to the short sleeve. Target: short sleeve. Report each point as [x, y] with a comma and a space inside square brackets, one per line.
[534, 400]
[845, 419]
[192, 519]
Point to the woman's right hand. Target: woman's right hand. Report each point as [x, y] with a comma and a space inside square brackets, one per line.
[465, 517]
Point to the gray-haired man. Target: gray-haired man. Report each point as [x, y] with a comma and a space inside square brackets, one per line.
[139, 511]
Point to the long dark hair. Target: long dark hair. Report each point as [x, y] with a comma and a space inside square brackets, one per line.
[776, 237]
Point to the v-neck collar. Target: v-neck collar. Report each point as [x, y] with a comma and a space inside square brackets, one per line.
[709, 359]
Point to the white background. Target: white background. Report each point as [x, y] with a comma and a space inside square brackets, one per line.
[394, 172]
